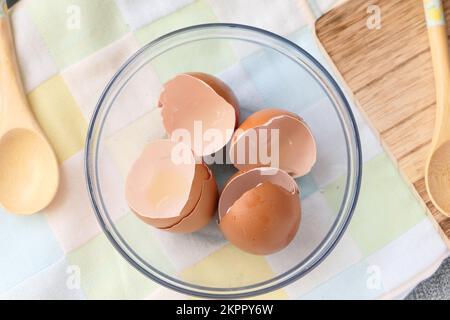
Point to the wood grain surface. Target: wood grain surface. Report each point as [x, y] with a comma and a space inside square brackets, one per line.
[390, 74]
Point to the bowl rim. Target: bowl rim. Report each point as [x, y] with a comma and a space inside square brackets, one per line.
[259, 288]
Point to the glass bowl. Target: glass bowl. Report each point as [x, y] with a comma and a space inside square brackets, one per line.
[263, 69]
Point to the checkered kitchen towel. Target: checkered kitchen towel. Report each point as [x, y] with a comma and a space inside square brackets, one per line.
[389, 246]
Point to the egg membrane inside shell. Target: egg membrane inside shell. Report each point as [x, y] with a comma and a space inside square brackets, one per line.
[195, 113]
[260, 210]
[167, 189]
[274, 138]
[157, 185]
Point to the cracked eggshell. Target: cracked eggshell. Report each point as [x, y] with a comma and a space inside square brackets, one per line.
[222, 89]
[296, 145]
[260, 211]
[204, 209]
[198, 107]
[162, 192]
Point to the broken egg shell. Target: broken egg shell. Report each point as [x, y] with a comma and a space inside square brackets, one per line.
[259, 210]
[264, 219]
[222, 89]
[187, 100]
[146, 188]
[161, 191]
[263, 116]
[194, 197]
[204, 210]
[242, 181]
[297, 147]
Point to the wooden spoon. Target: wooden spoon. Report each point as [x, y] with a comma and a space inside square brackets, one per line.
[437, 170]
[29, 174]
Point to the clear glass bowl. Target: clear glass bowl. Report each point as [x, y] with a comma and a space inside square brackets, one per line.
[263, 69]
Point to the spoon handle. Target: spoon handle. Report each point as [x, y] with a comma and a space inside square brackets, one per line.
[437, 35]
[14, 110]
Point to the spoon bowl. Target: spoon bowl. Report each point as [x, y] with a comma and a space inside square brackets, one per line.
[28, 171]
[438, 177]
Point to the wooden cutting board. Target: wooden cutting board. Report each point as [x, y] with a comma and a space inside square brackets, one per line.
[390, 74]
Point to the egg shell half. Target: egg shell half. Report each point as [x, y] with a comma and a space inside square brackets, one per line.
[194, 110]
[260, 213]
[162, 192]
[296, 145]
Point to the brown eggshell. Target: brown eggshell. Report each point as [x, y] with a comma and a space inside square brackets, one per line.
[147, 188]
[201, 174]
[187, 101]
[263, 116]
[242, 182]
[263, 220]
[221, 88]
[203, 211]
[157, 160]
[297, 148]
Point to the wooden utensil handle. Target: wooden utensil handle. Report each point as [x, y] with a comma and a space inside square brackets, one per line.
[437, 34]
[13, 102]
[8, 59]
